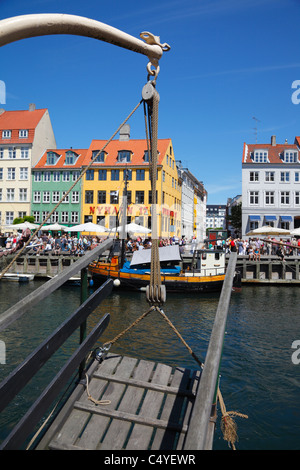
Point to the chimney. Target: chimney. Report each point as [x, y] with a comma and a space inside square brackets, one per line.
[125, 132]
[32, 107]
[273, 140]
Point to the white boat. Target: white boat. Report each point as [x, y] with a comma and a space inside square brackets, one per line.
[18, 277]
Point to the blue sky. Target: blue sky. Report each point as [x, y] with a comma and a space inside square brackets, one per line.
[230, 61]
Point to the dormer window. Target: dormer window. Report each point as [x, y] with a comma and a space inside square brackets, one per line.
[124, 156]
[6, 134]
[290, 156]
[70, 158]
[23, 133]
[52, 158]
[100, 158]
[146, 156]
[260, 156]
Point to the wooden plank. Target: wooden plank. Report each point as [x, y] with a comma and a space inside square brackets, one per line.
[118, 430]
[96, 427]
[78, 419]
[174, 406]
[141, 435]
[194, 387]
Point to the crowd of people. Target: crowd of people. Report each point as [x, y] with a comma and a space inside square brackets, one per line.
[253, 248]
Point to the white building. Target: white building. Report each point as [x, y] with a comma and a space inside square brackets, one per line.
[215, 216]
[24, 136]
[271, 185]
[193, 204]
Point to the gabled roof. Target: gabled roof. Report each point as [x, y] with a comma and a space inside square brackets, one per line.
[274, 151]
[60, 162]
[136, 146]
[18, 120]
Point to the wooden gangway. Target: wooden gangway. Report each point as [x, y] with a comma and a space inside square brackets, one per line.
[142, 406]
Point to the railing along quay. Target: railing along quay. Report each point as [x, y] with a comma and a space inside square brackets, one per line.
[269, 270]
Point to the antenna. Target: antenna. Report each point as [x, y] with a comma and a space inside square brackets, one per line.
[255, 128]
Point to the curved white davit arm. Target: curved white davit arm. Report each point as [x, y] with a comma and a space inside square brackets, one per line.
[27, 26]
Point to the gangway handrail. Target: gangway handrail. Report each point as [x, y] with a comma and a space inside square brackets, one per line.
[21, 307]
[197, 433]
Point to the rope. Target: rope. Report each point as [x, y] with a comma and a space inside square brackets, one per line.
[97, 402]
[69, 190]
[228, 425]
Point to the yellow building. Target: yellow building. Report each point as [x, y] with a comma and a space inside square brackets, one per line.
[103, 185]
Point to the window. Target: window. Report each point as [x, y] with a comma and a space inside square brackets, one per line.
[101, 197]
[9, 217]
[124, 156]
[23, 194]
[46, 197]
[297, 198]
[150, 197]
[70, 158]
[75, 197]
[164, 176]
[55, 196]
[10, 194]
[284, 176]
[75, 175]
[54, 217]
[56, 176]
[100, 158]
[284, 197]
[24, 152]
[89, 175]
[1, 173]
[260, 156]
[269, 176]
[1, 153]
[102, 175]
[290, 156]
[115, 175]
[6, 134]
[89, 197]
[45, 214]
[23, 173]
[37, 176]
[139, 197]
[297, 177]
[23, 133]
[64, 217]
[114, 197]
[47, 176]
[36, 216]
[269, 198]
[253, 197]
[12, 152]
[74, 217]
[0, 195]
[140, 175]
[129, 198]
[67, 198]
[128, 174]
[52, 158]
[37, 197]
[146, 156]
[11, 173]
[254, 176]
[66, 176]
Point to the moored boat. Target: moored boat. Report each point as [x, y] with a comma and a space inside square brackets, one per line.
[205, 272]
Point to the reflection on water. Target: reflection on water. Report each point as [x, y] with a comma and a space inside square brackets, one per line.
[258, 377]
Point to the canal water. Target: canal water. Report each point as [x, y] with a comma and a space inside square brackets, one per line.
[259, 377]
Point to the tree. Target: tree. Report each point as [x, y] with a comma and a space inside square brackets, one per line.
[26, 218]
[236, 217]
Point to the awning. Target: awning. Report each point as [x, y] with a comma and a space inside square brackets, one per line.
[269, 218]
[286, 218]
[254, 218]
